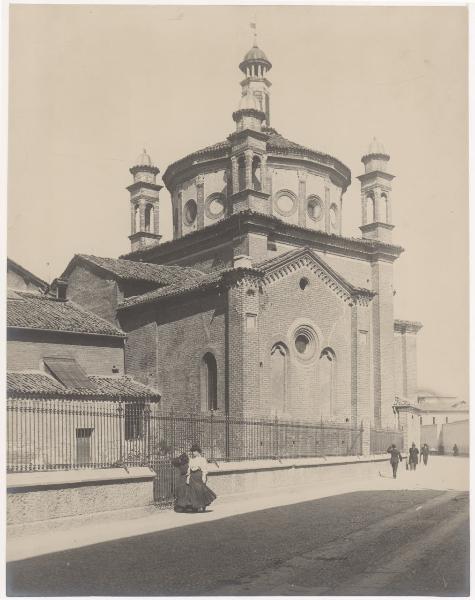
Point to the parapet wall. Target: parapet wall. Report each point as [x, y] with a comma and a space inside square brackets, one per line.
[40, 501]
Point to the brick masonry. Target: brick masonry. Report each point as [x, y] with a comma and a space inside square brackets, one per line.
[95, 354]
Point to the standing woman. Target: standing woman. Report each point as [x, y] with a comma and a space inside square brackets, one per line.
[200, 494]
[182, 487]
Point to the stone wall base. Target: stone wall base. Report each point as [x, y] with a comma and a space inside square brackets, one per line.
[226, 480]
[43, 496]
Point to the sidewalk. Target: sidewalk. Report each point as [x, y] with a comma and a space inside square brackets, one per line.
[443, 473]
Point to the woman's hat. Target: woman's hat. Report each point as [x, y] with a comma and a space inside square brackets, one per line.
[196, 448]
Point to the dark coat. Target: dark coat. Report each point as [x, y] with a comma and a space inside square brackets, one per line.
[395, 456]
[413, 455]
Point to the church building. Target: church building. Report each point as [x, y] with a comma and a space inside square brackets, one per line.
[259, 306]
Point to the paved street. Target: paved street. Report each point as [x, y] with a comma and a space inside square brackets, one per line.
[379, 542]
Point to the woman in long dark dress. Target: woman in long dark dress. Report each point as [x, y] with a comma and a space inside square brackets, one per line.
[201, 495]
[182, 488]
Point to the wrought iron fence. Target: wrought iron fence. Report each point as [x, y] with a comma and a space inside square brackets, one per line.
[58, 434]
[381, 439]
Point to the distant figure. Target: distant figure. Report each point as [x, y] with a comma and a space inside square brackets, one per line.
[395, 458]
[413, 457]
[425, 453]
[456, 450]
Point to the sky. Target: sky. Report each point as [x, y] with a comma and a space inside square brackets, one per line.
[90, 86]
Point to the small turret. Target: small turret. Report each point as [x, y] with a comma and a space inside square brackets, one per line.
[255, 67]
[249, 115]
[376, 191]
[144, 203]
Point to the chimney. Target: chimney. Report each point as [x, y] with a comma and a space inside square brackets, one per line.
[60, 286]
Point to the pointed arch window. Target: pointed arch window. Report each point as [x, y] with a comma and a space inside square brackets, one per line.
[211, 381]
[327, 377]
[278, 360]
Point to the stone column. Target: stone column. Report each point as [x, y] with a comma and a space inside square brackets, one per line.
[200, 201]
[156, 219]
[327, 209]
[132, 219]
[264, 173]
[142, 215]
[363, 208]
[249, 156]
[302, 175]
[389, 213]
[235, 174]
[378, 217]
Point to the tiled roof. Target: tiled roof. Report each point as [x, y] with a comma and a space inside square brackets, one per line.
[130, 270]
[215, 279]
[41, 385]
[340, 241]
[29, 310]
[205, 282]
[275, 143]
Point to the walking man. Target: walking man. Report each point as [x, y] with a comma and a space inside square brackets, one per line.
[395, 458]
[413, 457]
[425, 453]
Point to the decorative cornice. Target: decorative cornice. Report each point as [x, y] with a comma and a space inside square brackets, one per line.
[277, 145]
[237, 135]
[144, 184]
[375, 225]
[251, 221]
[248, 112]
[405, 404]
[141, 168]
[377, 173]
[407, 326]
[145, 234]
[248, 191]
[306, 258]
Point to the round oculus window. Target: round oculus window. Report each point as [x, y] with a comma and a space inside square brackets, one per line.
[190, 212]
[214, 206]
[305, 343]
[301, 343]
[285, 203]
[314, 208]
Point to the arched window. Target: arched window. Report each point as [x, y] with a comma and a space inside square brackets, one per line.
[385, 208]
[211, 381]
[137, 218]
[370, 209]
[256, 173]
[242, 173]
[327, 372]
[278, 362]
[148, 218]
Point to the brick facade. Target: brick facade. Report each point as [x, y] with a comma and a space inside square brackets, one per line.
[96, 355]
